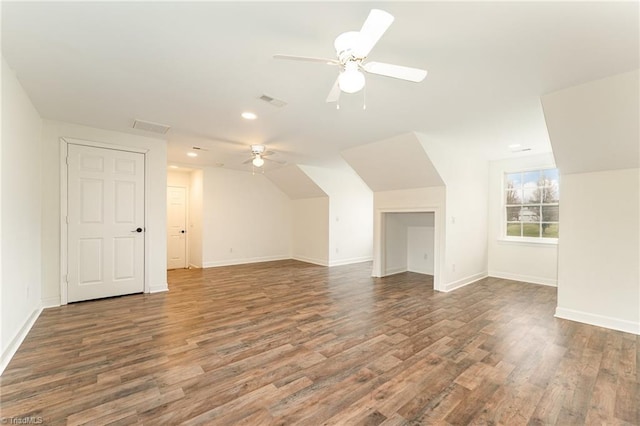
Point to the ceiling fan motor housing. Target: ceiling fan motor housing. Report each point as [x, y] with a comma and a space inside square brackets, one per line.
[345, 45]
[257, 149]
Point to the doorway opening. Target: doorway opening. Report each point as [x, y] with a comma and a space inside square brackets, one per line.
[184, 218]
[409, 243]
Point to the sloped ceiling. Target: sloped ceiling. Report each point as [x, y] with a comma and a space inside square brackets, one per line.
[395, 163]
[196, 66]
[295, 183]
[596, 126]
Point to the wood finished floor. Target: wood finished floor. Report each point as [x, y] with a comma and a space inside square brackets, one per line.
[292, 343]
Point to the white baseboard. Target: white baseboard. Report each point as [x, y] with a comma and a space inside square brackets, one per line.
[598, 320]
[321, 262]
[350, 261]
[464, 281]
[552, 282]
[232, 262]
[158, 288]
[15, 343]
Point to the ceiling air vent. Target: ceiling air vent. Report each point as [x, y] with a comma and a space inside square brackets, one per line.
[272, 101]
[149, 126]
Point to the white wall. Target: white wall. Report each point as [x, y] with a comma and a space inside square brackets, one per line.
[310, 230]
[395, 244]
[246, 219]
[420, 246]
[594, 130]
[520, 261]
[595, 126]
[467, 183]
[599, 249]
[350, 214]
[156, 193]
[195, 218]
[177, 178]
[21, 177]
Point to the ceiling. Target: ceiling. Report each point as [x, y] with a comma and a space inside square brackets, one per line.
[197, 66]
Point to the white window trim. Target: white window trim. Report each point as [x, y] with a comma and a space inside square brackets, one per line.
[503, 238]
[527, 240]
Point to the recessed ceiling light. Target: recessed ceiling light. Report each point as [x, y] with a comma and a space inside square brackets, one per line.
[192, 154]
[515, 145]
[173, 167]
[249, 115]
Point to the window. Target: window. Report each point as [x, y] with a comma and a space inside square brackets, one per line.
[532, 204]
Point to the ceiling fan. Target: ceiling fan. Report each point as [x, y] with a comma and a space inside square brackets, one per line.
[352, 49]
[258, 154]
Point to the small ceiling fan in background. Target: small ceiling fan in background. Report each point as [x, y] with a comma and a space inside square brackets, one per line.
[258, 154]
[352, 48]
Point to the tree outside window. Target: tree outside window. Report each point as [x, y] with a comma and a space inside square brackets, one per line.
[532, 204]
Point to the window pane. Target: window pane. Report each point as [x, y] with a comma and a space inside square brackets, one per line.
[550, 213]
[550, 176]
[513, 196]
[513, 214]
[532, 195]
[549, 194]
[530, 179]
[513, 180]
[529, 214]
[513, 188]
[550, 230]
[531, 230]
[514, 229]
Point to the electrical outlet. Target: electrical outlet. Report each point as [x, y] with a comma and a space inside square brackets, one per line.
[231, 250]
[453, 267]
[425, 256]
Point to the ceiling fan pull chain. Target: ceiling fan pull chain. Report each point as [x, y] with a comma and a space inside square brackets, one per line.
[364, 98]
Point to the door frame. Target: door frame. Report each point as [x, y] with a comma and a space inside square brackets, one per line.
[186, 224]
[64, 243]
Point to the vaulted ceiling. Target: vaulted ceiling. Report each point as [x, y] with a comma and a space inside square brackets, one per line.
[197, 66]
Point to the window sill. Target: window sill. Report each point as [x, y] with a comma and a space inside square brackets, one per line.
[529, 241]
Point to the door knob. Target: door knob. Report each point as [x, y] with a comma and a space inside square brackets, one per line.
[137, 230]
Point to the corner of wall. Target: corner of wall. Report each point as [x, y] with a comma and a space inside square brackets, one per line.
[598, 320]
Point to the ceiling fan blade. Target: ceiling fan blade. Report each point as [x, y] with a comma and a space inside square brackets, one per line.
[373, 28]
[264, 154]
[307, 59]
[248, 161]
[275, 161]
[396, 71]
[334, 94]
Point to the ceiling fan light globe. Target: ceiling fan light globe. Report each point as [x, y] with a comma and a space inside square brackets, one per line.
[351, 81]
[258, 161]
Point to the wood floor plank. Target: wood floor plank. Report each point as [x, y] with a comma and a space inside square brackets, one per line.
[286, 342]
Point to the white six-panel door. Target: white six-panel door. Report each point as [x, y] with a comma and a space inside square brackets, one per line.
[176, 227]
[105, 215]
